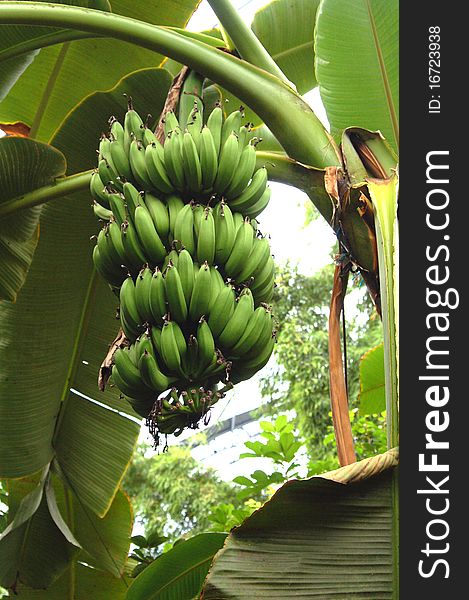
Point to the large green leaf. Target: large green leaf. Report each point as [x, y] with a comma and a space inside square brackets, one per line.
[357, 64]
[61, 76]
[79, 582]
[37, 546]
[286, 29]
[24, 166]
[372, 396]
[179, 573]
[325, 537]
[60, 328]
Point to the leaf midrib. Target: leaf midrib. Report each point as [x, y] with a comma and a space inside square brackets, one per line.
[384, 74]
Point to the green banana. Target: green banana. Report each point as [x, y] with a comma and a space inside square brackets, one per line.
[215, 124]
[120, 160]
[254, 191]
[133, 198]
[139, 393]
[243, 134]
[151, 374]
[100, 212]
[173, 257]
[259, 255]
[227, 164]
[132, 332]
[133, 126]
[97, 190]
[252, 332]
[265, 335]
[231, 125]
[243, 173]
[116, 131]
[222, 310]
[237, 323]
[117, 205]
[242, 248]
[109, 256]
[159, 213]
[115, 234]
[208, 159]
[264, 275]
[194, 127]
[238, 220]
[132, 246]
[260, 205]
[158, 307]
[103, 269]
[173, 159]
[217, 285]
[148, 236]
[142, 294]
[225, 232]
[175, 295]
[170, 122]
[198, 212]
[206, 345]
[175, 205]
[138, 165]
[256, 363]
[128, 301]
[156, 170]
[107, 175]
[127, 370]
[184, 228]
[206, 238]
[185, 267]
[148, 137]
[201, 294]
[170, 348]
[191, 164]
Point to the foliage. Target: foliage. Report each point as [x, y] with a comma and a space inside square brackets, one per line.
[300, 380]
[172, 492]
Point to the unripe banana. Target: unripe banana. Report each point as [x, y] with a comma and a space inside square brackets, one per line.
[252, 332]
[148, 137]
[159, 213]
[198, 212]
[191, 164]
[140, 393]
[109, 256]
[142, 294]
[133, 126]
[173, 257]
[185, 267]
[132, 247]
[266, 294]
[143, 344]
[208, 159]
[127, 370]
[117, 205]
[170, 122]
[184, 228]
[217, 285]
[148, 236]
[194, 127]
[173, 159]
[222, 310]
[227, 164]
[248, 198]
[132, 332]
[115, 234]
[243, 173]
[97, 190]
[256, 363]
[102, 267]
[120, 160]
[151, 374]
[155, 334]
[225, 232]
[175, 205]
[156, 170]
[206, 238]
[128, 301]
[215, 124]
[206, 345]
[238, 220]
[243, 134]
[231, 125]
[100, 212]
[265, 335]
[133, 198]
[237, 323]
[107, 175]
[264, 275]
[256, 260]
[201, 294]
[260, 205]
[241, 250]
[116, 130]
[138, 165]
[158, 307]
[175, 295]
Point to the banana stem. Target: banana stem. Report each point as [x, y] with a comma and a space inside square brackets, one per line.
[290, 119]
[244, 39]
[62, 187]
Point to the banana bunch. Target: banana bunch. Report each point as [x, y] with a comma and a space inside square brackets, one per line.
[180, 246]
[196, 161]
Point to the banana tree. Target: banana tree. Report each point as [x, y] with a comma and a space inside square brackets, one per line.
[65, 446]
